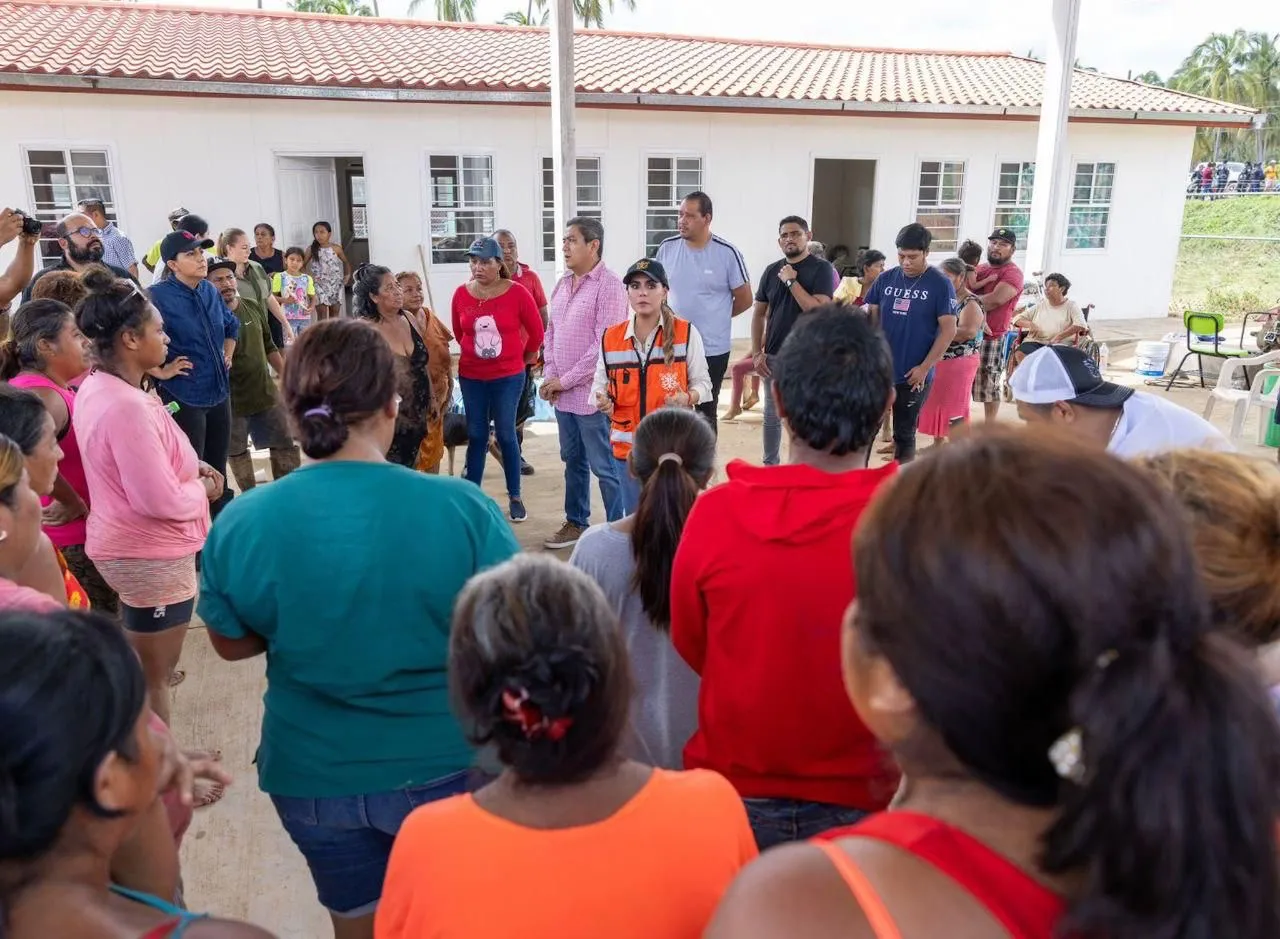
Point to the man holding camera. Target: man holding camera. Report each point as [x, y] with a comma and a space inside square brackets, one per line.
[15, 224]
[82, 246]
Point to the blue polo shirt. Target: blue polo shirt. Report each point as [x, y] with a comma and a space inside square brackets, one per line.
[909, 311]
[197, 322]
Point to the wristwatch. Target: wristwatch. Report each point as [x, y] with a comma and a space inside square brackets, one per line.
[790, 283]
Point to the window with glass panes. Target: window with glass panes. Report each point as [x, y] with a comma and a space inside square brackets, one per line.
[669, 180]
[938, 201]
[60, 181]
[461, 204]
[1090, 214]
[590, 198]
[1013, 198]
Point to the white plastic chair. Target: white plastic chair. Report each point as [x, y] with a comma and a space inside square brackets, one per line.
[1240, 400]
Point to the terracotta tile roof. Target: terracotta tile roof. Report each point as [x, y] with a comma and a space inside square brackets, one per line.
[56, 42]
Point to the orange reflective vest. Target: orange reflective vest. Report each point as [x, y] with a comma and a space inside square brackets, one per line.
[637, 386]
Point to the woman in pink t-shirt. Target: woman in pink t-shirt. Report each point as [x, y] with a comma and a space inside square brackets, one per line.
[499, 330]
[46, 354]
[150, 493]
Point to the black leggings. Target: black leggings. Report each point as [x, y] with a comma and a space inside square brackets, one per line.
[717, 365]
[209, 430]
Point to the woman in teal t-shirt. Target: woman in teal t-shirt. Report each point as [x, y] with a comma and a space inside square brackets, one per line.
[345, 573]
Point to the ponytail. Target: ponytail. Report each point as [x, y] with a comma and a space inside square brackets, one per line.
[1173, 821]
[668, 334]
[673, 457]
[10, 363]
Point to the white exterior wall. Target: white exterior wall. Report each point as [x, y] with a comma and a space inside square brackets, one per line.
[217, 158]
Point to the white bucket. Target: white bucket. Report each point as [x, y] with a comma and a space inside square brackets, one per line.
[1151, 358]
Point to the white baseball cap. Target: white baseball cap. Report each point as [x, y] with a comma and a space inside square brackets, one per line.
[1063, 373]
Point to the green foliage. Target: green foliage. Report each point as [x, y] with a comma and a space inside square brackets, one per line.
[448, 11]
[332, 7]
[1226, 276]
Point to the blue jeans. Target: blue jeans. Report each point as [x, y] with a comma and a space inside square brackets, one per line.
[346, 840]
[492, 401]
[777, 821]
[772, 424]
[585, 449]
[630, 488]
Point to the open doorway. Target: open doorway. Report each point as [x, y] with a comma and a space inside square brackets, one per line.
[324, 189]
[843, 192]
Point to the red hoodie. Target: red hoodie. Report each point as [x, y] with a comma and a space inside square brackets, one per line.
[759, 589]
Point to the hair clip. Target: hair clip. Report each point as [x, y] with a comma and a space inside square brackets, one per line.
[517, 709]
[1067, 755]
[322, 411]
[675, 458]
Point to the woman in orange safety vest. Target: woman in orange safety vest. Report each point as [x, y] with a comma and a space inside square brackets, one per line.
[650, 360]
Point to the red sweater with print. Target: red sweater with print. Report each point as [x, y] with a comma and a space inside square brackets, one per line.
[498, 336]
[759, 590]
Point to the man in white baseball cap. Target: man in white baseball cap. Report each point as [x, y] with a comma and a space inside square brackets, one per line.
[1062, 386]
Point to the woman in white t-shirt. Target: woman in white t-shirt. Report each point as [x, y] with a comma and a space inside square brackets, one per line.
[1055, 320]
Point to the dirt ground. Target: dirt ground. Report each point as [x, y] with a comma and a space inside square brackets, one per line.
[237, 860]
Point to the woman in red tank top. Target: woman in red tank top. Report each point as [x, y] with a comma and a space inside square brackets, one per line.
[1083, 755]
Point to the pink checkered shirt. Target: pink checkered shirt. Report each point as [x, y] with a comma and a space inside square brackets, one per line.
[579, 316]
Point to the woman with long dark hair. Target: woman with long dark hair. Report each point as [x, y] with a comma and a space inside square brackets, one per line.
[1083, 753]
[439, 368]
[45, 354]
[82, 769]
[150, 492]
[328, 264]
[601, 845]
[377, 297]
[357, 728]
[674, 459]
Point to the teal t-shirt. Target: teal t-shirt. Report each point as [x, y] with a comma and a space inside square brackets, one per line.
[349, 572]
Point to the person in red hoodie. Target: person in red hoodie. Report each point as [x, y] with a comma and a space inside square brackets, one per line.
[760, 584]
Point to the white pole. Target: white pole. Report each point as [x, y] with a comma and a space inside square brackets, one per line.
[564, 159]
[1049, 199]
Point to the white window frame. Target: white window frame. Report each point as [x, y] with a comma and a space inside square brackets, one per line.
[941, 208]
[547, 221]
[1018, 205]
[674, 208]
[441, 257]
[50, 252]
[1092, 204]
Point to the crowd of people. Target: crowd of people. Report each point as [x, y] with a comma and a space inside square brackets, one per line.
[1215, 178]
[713, 719]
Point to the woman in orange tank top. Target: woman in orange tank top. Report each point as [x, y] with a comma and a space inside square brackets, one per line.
[577, 842]
[1084, 756]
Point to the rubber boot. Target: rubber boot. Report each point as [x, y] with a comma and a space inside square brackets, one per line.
[284, 460]
[242, 468]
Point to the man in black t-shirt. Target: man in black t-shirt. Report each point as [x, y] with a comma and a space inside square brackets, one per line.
[798, 283]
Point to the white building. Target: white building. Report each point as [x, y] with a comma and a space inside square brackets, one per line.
[412, 133]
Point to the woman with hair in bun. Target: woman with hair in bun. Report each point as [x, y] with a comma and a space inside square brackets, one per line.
[1083, 753]
[674, 458]
[149, 491]
[19, 533]
[46, 353]
[587, 842]
[80, 770]
[357, 730]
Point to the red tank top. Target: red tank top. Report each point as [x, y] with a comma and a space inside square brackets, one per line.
[1025, 908]
[70, 466]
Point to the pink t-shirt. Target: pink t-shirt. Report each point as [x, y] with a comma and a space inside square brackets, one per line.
[496, 336]
[148, 500]
[998, 320]
[70, 467]
[16, 597]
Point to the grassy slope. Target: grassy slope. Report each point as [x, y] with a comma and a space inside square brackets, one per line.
[1228, 276]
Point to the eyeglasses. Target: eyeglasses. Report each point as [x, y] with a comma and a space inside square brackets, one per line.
[85, 232]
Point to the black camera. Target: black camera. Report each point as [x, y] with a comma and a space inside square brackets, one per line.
[30, 224]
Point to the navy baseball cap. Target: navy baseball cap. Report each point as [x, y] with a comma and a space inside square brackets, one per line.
[485, 248]
[1005, 234]
[180, 242]
[221, 264]
[1063, 373]
[647, 267]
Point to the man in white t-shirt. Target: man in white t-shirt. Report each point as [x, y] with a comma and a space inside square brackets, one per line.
[1062, 386]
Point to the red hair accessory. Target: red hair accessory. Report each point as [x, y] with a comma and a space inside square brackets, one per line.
[533, 723]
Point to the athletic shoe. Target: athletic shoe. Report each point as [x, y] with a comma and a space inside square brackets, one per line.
[525, 468]
[517, 511]
[566, 537]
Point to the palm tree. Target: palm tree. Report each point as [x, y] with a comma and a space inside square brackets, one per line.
[333, 7]
[449, 11]
[1150, 78]
[1261, 81]
[526, 18]
[1243, 68]
[592, 11]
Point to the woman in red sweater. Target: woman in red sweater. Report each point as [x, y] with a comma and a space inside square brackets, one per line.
[1084, 755]
[499, 330]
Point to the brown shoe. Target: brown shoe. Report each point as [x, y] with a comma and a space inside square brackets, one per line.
[566, 537]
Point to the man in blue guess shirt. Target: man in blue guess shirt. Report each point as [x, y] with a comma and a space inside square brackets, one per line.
[914, 306]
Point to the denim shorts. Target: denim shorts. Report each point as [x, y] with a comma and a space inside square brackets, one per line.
[347, 840]
[778, 821]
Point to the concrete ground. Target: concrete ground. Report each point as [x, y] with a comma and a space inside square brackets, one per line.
[237, 860]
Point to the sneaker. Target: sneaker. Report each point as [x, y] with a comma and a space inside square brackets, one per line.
[566, 537]
[517, 511]
[525, 468]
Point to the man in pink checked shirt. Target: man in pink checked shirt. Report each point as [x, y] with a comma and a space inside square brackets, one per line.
[586, 301]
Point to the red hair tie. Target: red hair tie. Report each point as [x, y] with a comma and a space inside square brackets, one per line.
[518, 709]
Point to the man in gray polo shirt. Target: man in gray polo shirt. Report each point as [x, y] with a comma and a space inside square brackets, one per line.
[709, 287]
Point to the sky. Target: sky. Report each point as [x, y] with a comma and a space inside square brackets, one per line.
[1116, 36]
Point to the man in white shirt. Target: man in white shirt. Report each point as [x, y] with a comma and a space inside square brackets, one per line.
[710, 285]
[1061, 385]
